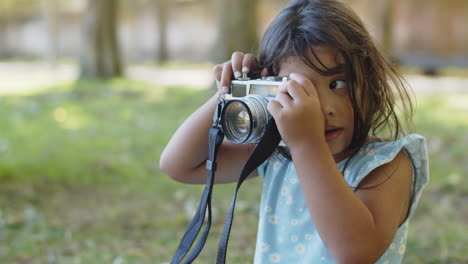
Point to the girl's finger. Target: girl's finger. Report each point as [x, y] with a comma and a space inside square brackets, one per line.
[309, 87]
[237, 60]
[248, 62]
[296, 91]
[264, 72]
[217, 70]
[284, 99]
[226, 77]
[274, 107]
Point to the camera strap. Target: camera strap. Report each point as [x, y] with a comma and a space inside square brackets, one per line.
[216, 137]
[262, 151]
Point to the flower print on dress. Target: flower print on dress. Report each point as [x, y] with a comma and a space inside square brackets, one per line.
[275, 258]
[264, 247]
[294, 238]
[276, 165]
[300, 249]
[293, 180]
[273, 219]
[294, 222]
[401, 249]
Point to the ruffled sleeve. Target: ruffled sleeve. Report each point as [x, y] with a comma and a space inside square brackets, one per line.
[376, 154]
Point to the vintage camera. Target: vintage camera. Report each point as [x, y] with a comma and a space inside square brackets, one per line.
[243, 113]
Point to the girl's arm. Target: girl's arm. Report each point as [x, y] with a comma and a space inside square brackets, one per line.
[355, 227]
[184, 157]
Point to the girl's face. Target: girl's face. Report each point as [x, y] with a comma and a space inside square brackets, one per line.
[333, 95]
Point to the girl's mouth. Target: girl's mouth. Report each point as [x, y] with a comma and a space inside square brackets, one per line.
[332, 133]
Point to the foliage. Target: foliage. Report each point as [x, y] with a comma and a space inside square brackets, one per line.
[79, 178]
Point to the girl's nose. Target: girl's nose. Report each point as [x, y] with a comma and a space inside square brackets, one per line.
[326, 102]
[327, 110]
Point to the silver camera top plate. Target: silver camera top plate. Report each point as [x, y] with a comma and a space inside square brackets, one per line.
[266, 86]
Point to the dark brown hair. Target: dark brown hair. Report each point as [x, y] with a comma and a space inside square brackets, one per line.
[375, 84]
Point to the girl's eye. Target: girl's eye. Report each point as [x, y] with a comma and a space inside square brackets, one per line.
[338, 84]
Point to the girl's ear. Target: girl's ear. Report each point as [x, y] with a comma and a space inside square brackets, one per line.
[264, 72]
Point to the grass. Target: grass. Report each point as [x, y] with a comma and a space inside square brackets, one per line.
[79, 178]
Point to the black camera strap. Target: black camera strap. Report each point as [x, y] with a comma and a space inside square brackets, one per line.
[262, 151]
[216, 137]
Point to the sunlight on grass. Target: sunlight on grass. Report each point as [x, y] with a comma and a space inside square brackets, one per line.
[453, 110]
[80, 181]
[70, 118]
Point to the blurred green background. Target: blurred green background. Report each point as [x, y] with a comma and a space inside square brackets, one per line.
[90, 93]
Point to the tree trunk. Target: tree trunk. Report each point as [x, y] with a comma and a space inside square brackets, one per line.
[4, 18]
[387, 11]
[100, 56]
[237, 22]
[162, 14]
[50, 12]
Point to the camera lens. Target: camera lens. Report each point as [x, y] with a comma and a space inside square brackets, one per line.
[243, 119]
[236, 121]
[243, 122]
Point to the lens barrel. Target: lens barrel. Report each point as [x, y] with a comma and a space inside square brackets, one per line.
[244, 119]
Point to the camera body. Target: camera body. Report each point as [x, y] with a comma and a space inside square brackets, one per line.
[243, 113]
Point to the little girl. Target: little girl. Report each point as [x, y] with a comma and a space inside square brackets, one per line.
[337, 193]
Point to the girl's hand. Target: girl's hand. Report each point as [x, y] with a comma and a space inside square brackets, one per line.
[239, 64]
[297, 112]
